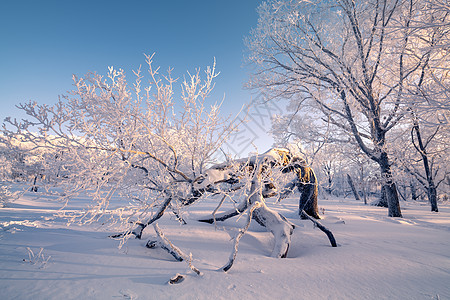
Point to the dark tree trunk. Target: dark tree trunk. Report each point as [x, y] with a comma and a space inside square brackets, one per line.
[432, 196]
[309, 192]
[421, 148]
[352, 186]
[390, 189]
[377, 154]
[412, 186]
[34, 188]
[383, 200]
[327, 169]
[365, 196]
[363, 185]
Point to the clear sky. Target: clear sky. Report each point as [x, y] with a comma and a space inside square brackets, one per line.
[42, 43]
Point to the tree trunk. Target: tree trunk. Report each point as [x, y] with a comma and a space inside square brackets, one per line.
[390, 189]
[34, 188]
[309, 192]
[365, 194]
[352, 186]
[383, 200]
[421, 148]
[412, 186]
[432, 196]
[363, 184]
[327, 169]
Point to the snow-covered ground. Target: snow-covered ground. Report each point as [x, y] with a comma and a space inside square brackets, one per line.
[377, 258]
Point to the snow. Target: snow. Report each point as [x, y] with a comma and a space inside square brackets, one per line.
[378, 257]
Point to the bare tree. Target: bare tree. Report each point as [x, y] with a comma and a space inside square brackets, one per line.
[260, 171]
[151, 155]
[424, 156]
[256, 177]
[421, 146]
[428, 97]
[107, 138]
[349, 60]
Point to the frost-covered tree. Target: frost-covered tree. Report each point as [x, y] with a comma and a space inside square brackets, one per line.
[252, 180]
[260, 176]
[330, 152]
[6, 170]
[427, 95]
[424, 155]
[350, 61]
[20, 161]
[6, 196]
[139, 153]
[139, 141]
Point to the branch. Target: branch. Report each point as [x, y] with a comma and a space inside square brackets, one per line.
[238, 237]
[174, 251]
[355, 131]
[152, 156]
[141, 226]
[321, 227]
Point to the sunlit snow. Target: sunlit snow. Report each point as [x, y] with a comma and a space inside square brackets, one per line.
[378, 257]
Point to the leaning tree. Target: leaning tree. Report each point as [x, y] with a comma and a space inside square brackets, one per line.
[258, 177]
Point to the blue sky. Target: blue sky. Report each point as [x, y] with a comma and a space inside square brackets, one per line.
[44, 42]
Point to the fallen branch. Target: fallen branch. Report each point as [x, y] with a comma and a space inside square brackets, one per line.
[226, 215]
[174, 251]
[141, 226]
[321, 227]
[155, 244]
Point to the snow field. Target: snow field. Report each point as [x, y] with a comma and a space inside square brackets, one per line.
[378, 257]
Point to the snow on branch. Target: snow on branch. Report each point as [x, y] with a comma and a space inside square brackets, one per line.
[110, 139]
[173, 250]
